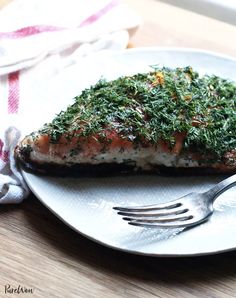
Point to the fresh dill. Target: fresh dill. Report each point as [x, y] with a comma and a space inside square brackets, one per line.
[153, 106]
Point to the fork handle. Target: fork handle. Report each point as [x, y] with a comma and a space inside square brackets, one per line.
[221, 187]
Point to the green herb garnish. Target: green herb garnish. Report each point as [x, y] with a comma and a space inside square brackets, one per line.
[152, 106]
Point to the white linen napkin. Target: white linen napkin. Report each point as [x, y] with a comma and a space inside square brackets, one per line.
[39, 41]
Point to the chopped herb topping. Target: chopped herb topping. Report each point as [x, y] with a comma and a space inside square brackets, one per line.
[153, 106]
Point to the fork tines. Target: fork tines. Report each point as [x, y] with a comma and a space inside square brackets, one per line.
[172, 214]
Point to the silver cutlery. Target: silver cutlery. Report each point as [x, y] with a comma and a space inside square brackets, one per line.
[189, 210]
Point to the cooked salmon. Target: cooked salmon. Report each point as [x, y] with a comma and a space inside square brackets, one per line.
[169, 120]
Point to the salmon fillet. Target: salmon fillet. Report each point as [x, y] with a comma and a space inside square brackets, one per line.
[167, 120]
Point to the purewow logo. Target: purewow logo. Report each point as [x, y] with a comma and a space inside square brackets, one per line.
[9, 289]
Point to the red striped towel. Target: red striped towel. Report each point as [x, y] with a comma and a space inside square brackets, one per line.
[44, 46]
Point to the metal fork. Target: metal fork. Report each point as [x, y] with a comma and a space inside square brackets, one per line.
[189, 210]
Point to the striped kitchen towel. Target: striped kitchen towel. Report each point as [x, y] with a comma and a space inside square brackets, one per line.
[42, 43]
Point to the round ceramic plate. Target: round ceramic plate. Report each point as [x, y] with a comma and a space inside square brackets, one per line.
[85, 204]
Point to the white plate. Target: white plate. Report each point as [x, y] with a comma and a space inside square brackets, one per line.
[85, 204]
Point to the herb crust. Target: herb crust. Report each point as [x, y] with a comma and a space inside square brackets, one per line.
[154, 106]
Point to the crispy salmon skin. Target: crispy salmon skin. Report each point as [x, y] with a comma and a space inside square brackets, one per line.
[169, 120]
